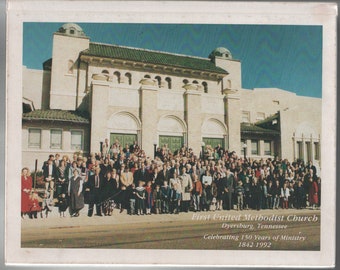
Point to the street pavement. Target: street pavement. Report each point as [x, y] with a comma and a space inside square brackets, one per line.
[297, 229]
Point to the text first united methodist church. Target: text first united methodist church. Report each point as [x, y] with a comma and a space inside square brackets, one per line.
[90, 91]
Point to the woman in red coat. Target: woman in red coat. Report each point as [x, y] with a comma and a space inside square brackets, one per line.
[313, 193]
[26, 188]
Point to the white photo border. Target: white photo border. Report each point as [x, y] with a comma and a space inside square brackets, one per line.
[169, 12]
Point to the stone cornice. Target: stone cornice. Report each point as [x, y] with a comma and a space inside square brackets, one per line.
[116, 63]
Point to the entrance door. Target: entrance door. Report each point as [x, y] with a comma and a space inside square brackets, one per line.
[213, 142]
[174, 142]
[123, 138]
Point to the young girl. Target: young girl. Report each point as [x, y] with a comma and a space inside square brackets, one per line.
[62, 204]
[140, 198]
[285, 196]
[149, 198]
[47, 204]
[34, 205]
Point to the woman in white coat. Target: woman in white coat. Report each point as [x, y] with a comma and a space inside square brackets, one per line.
[186, 184]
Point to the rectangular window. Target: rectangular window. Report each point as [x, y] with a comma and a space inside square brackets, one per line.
[300, 150]
[245, 117]
[76, 140]
[254, 147]
[260, 116]
[316, 151]
[34, 137]
[56, 138]
[267, 148]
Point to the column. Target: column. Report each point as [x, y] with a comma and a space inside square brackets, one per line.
[99, 104]
[148, 114]
[233, 120]
[193, 116]
[261, 148]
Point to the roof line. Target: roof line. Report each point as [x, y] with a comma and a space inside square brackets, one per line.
[149, 50]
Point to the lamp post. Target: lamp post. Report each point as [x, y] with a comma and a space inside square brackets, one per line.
[101, 146]
[244, 151]
[202, 151]
[154, 149]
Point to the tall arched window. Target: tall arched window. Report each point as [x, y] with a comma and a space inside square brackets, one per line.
[117, 76]
[159, 80]
[129, 78]
[205, 87]
[70, 66]
[168, 80]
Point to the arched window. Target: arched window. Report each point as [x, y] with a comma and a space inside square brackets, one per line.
[117, 76]
[185, 81]
[70, 66]
[159, 80]
[195, 82]
[129, 78]
[205, 87]
[104, 71]
[168, 80]
[147, 76]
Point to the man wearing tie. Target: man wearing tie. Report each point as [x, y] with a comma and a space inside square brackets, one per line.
[94, 186]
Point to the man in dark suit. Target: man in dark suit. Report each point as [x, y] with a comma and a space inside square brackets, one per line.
[158, 178]
[141, 175]
[228, 184]
[94, 187]
[50, 174]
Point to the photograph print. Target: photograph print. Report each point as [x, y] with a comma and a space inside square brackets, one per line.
[171, 137]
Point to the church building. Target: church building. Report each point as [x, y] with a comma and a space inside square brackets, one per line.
[90, 91]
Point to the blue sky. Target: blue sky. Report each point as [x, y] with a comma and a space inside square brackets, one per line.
[281, 56]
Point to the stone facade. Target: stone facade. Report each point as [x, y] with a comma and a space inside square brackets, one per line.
[160, 102]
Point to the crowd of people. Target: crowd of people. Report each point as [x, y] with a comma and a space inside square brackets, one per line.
[124, 178]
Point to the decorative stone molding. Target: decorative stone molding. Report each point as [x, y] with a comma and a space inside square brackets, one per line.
[190, 86]
[100, 77]
[148, 81]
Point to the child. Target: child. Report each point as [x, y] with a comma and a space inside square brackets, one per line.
[132, 199]
[213, 205]
[62, 204]
[34, 205]
[157, 195]
[140, 199]
[47, 204]
[149, 198]
[165, 190]
[175, 199]
[239, 190]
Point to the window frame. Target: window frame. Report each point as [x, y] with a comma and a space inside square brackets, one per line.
[61, 138]
[255, 153]
[248, 116]
[265, 152]
[31, 145]
[82, 139]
